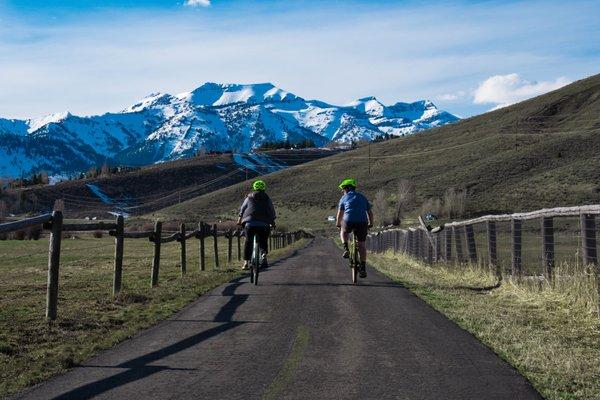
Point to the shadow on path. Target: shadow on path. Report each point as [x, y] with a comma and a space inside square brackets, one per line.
[138, 368]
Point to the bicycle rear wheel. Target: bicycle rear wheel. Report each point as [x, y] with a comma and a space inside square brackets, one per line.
[254, 261]
[354, 262]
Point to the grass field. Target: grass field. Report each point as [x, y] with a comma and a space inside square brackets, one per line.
[549, 334]
[90, 318]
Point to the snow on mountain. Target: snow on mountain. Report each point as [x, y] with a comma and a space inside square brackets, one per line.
[214, 116]
[35, 124]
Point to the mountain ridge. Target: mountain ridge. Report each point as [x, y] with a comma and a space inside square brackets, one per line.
[217, 117]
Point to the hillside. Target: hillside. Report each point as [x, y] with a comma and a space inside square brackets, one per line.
[150, 188]
[541, 152]
[213, 117]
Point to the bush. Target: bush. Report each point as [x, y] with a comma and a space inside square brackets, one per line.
[455, 203]
[33, 232]
[380, 207]
[98, 234]
[405, 197]
[432, 205]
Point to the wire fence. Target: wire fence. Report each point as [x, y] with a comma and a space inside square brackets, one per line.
[522, 246]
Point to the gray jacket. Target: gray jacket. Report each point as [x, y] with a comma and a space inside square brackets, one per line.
[258, 207]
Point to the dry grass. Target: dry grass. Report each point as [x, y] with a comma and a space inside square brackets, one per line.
[551, 334]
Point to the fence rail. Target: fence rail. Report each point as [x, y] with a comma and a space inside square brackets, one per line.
[54, 223]
[480, 240]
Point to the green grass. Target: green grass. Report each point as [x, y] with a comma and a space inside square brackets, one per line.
[549, 334]
[543, 152]
[90, 319]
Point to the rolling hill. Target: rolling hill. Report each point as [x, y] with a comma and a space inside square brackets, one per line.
[141, 190]
[543, 152]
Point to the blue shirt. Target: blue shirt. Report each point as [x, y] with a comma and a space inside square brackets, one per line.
[355, 207]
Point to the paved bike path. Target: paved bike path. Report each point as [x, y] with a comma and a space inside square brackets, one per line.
[304, 333]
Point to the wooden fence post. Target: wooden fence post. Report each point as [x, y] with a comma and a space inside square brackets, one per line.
[448, 246]
[437, 254]
[420, 245]
[471, 245]
[156, 237]
[229, 247]
[589, 250]
[215, 233]
[119, 243]
[548, 244]
[459, 247]
[516, 247]
[492, 248]
[183, 251]
[53, 265]
[202, 232]
[429, 249]
[402, 241]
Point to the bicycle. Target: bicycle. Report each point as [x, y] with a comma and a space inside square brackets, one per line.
[255, 261]
[354, 259]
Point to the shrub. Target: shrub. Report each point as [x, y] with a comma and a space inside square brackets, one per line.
[33, 232]
[98, 234]
[432, 205]
[380, 207]
[455, 202]
[405, 197]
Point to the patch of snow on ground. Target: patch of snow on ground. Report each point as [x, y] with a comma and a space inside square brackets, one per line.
[101, 195]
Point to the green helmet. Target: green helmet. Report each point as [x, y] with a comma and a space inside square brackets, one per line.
[259, 185]
[348, 182]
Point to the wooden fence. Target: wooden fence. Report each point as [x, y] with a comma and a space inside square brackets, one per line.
[54, 223]
[465, 241]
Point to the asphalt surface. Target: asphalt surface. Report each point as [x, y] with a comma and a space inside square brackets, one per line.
[305, 332]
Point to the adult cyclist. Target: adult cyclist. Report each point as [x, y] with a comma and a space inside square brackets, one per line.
[354, 215]
[257, 216]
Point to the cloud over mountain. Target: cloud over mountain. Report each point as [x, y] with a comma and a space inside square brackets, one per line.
[504, 90]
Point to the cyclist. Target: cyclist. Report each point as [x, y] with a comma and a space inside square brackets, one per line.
[354, 215]
[257, 216]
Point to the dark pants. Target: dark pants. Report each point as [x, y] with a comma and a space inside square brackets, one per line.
[263, 240]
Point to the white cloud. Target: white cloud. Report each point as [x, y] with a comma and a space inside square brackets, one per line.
[197, 3]
[504, 90]
[452, 96]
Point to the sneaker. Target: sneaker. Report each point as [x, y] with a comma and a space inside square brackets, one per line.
[346, 252]
[363, 271]
[245, 267]
[263, 262]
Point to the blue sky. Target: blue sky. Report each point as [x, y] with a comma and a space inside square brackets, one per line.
[468, 57]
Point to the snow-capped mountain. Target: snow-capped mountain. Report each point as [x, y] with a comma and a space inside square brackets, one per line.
[214, 116]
